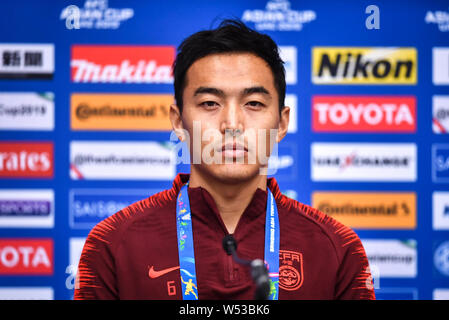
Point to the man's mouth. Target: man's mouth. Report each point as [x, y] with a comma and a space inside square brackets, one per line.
[234, 150]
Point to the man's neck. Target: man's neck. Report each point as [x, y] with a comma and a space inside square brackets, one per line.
[231, 198]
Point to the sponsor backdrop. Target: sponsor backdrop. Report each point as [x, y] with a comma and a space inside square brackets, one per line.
[85, 90]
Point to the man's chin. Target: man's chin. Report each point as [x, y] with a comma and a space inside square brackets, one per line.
[233, 173]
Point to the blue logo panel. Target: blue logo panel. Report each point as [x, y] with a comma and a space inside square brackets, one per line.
[90, 206]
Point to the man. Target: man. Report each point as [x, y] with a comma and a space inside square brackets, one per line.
[229, 91]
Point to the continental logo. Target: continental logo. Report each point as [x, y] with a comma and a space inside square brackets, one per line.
[364, 65]
[369, 210]
[132, 112]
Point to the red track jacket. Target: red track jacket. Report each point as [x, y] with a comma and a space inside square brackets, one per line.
[134, 253]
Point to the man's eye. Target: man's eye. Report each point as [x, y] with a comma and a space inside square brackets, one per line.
[209, 104]
[255, 104]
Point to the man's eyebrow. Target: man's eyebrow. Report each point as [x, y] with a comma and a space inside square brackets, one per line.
[209, 90]
[219, 92]
[260, 89]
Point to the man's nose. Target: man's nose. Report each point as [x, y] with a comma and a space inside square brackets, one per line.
[232, 119]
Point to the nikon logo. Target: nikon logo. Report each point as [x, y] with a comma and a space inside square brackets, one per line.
[336, 65]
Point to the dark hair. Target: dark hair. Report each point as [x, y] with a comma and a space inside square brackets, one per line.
[230, 36]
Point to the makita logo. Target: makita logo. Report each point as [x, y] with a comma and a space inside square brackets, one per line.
[26, 256]
[364, 65]
[142, 72]
[364, 113]
[26, 159]
[122, 64]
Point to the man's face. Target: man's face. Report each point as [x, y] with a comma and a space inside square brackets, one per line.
[230, 104]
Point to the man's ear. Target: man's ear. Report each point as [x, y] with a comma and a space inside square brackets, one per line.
[176, 121]
[283, 123]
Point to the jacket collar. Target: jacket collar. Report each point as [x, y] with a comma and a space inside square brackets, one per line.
[203, 205]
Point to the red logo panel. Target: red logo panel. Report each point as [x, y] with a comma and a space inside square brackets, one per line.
[26, 257]
[122, 64]
[395, 114]
[26, 159]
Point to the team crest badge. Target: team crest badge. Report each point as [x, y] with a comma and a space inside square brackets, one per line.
[291, 274]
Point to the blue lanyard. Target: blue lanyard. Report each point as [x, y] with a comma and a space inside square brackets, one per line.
[186, 251]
